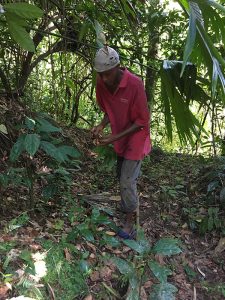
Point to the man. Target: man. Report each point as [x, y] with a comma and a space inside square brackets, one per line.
[122, 98]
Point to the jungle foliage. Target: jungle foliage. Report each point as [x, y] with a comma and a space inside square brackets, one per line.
[47, 50]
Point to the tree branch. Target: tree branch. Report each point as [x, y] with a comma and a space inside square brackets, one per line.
[5, 82]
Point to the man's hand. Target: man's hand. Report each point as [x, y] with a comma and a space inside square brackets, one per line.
[97, 131]
[107, 139]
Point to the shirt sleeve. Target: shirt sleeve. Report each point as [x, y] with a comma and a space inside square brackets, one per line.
[140, 111]
[99, 98]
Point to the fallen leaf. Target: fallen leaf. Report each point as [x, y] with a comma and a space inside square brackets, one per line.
[220, 247]
[67, 255]
[148, 284]
[111, 233]
[95, 276]
[91, 246]
[3, 291]
[89, 297]
[143, 294]
[115, 198]
[106, 273]
[160, 259]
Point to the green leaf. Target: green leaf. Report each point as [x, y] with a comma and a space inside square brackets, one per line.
[159, 271]
[68, 150]
[21, 36]
[45, 126]
[110, 240]
[133, 295]
[12, 17]
[52, 151]
[17, 148]
[32, 143]
[84, 266]
[24, 10]
[83, 31]
[141, 246]
[30, 123]
[163, 291]
[124, 267]
[167, 246]
[87, 234]
[190, 39]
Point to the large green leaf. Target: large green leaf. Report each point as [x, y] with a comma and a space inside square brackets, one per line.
[176, 93]
[32, 143]
[24, 10]
[21, 36]
[163, 291]
[52, 151]
[11, 17]
[141, 246]
[167, 246]
[46, 126]
[69, 150]
[191, 37]
[160, 272]
[17, 148]
[124, 267]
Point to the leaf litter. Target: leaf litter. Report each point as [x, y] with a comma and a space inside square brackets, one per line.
[161, 216]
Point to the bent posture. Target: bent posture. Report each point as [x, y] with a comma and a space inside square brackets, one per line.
[121, 96]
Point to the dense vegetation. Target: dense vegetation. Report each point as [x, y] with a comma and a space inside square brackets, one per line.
[47, 102]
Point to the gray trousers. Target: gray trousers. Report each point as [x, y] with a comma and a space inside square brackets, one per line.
[127, 173]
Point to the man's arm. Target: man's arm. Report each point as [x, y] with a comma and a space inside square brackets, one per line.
[108, 139]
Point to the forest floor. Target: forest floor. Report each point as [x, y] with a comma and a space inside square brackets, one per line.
[66, 248]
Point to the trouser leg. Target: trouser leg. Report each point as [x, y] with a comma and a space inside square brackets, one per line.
[128, 172]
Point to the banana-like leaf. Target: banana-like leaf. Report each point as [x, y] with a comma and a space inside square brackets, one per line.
[213, 60]
[176, 94]
[195, 15]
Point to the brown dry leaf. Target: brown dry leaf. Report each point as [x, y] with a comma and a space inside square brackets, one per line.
[126, 249]
[148, 284]
[160, 259]
[89, 297]
[111, 233]
[100, 228]
[91, 246]
[115, 198]
[95, 276]
[117, 251]
[92, 255]
[106, 273]
[35, 247]
[220, 247]
[143, 294]
[3, 291]
[78, 246]
[67, 255]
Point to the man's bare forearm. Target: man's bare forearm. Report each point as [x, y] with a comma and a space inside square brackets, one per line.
[104, 121]
[133, 128]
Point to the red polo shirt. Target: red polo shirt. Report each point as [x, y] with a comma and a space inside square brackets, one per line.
[126, 106]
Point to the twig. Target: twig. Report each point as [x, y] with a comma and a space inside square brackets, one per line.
[51, 292]
[194, 294]
[111, 290]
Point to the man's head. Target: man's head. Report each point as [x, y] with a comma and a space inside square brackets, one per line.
[106, 63]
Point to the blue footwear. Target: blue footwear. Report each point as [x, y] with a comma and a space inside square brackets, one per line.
[126, 236]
